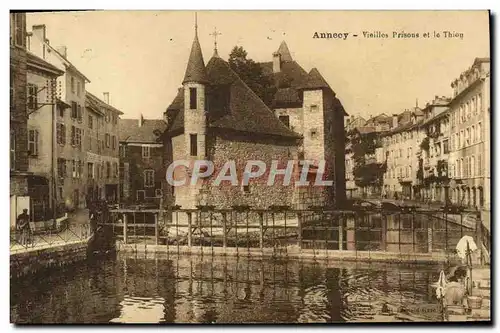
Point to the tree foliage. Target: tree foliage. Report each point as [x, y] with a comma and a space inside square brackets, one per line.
[366, 174]
[252, 74]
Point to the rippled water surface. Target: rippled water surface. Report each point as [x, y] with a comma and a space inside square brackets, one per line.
[216, 289]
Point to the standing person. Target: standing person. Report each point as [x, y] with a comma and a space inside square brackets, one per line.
[23, 225]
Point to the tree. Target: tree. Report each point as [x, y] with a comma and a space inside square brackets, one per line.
[251, 73]
[366, 174]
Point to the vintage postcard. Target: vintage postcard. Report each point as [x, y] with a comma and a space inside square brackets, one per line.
[221, 167]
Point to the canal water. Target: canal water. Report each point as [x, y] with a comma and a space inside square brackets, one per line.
[188, 289]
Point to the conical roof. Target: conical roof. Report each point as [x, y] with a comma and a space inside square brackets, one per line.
[284, 52]
[195, 71]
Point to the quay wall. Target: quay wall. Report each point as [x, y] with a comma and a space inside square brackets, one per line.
[37, 260]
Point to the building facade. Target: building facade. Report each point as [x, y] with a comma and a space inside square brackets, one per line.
[434, 166]
[42, 152]
[470, 137]
[142, 166]
[19, 163]
[70, 127]
[101, 144]
[306, 103]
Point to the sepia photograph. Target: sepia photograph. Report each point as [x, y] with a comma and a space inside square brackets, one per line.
[250, 167]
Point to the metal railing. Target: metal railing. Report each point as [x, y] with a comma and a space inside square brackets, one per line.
[27, 239]
[283, 231]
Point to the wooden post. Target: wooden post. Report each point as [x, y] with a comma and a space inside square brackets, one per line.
[224, 230]
[261, 229]
[190, 221]
[429, 236]
[299, 231]
[125, 228]
[341, 232]
[156, 229]
[383, 226]
[479, 238]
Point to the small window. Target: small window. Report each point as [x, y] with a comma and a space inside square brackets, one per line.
[91, 121]
[146, 152]
[32, 97]
[33, 142]
[72, 84]
[78, 88]
[74, 110]
[314, 108]
[193, 99]
[61, 134]
[90, 170]
[114, 142]
[246, 188]
[149, 178]
[123, 151]
[107, 140]
[314, 134]
[285, 120]
[141, 195]
[193, 143]
[159, 193]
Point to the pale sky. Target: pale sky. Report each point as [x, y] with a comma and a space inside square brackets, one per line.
[140, 57]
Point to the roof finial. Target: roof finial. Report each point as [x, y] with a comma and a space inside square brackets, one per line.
[215, 34]
[196, 24]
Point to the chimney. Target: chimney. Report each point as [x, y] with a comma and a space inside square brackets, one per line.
[63, 50]
[141, 121]
[276, 62]
[105, 95]
[37, 44]
[394, 120]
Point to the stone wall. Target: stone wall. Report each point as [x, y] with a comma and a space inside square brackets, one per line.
[36, 261]
[240, 148]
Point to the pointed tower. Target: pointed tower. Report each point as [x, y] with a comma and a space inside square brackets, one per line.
[194, 84]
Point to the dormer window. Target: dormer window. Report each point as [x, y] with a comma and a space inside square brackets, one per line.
[193, 99]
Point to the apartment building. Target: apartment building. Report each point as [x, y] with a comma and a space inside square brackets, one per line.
[470, 136]
[70, 127]
[41, 108]
[434, 151]
[102, 149]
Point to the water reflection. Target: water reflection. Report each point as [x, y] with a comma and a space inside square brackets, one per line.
[217, 290]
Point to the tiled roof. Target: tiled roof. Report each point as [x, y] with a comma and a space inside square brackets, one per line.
[286, 96]
[195, 71]
[37, 61]
[96, 103]
[178, 102]
[130, 131]
[314, 81]
[246, 111]
[284, 52]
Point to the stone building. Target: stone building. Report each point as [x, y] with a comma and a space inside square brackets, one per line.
[142, 166]
[470, 137]
[70, 127]
[217, 117]
[307, 104]
[102, 149]
[42, 152]
[18, 159]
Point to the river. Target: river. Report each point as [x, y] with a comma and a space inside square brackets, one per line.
[189, 289]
